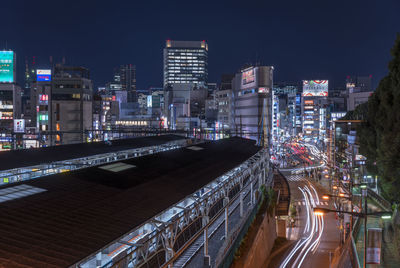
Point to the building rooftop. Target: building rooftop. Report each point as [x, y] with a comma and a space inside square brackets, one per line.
[58, 220]
[37, 156]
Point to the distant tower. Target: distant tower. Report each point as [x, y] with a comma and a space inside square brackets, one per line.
[126, 77]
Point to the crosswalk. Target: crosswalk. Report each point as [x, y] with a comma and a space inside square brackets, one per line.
[295, 178]
[321, 203]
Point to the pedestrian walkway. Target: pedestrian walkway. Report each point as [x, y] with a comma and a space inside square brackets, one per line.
[296, 178]
[321, 203]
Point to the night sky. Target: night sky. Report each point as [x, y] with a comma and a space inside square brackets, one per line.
[301, 39]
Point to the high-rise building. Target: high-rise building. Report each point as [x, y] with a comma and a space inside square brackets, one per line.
[124, 80]
[252, 91]
[284, 110]
[127, 75]
[10, 99]
[314, 109]
[62, 101]
[186, 62]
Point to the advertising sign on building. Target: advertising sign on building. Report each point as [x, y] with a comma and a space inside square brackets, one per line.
[263, 90]
[374, 244]
[248, 76]
[315, 88]
[6, 67]
[43, 75]
[19, 125]
[149, 101]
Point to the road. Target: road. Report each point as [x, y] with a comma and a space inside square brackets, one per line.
[316, 236]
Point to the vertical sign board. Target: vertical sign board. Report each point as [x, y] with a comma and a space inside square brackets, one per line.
[374, 245]
[7, 67]
[19, 125]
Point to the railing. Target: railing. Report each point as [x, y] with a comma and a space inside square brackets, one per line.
[227, 252]
[353, 253]
[226, 255]
[379, 199]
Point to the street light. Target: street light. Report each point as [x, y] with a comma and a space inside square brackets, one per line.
[341, 195]
[382, 214]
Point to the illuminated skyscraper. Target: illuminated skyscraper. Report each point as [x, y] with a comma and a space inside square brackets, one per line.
[185, 62]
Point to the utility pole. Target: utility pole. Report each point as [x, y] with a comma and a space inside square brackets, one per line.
[365, 191]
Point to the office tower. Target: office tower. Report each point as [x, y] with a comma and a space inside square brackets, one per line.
[63, 101]
[124, 80]
[252, 90]
[127, 77]
[186, 62]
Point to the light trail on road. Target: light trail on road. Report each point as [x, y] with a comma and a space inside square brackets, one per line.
[312, 232]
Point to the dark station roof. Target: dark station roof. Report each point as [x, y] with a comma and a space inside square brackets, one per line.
[37, 156]
[82, 211]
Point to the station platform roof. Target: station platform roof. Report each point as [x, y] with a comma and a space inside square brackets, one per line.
[36, 156]
[58, 220]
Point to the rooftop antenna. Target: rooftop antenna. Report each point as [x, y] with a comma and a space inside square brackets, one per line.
[257, 63]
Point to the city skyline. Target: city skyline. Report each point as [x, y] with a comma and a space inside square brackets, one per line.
[200, 134]
[347, 39]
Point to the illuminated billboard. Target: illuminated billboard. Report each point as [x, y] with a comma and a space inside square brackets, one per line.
[315, 88]
[43, 75]
[19, 125]
[6, 66]
[263, 90]
[248, 77]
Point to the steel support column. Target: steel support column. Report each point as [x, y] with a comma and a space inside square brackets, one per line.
[98, 259]
[251, 191]
[226, 202]
[241, 203]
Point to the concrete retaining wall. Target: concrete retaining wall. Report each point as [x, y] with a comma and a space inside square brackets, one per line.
[261, 246]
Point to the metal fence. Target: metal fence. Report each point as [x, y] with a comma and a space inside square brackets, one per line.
[227, 253]
[226, 256]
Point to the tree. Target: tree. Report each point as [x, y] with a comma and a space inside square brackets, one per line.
[379, 135]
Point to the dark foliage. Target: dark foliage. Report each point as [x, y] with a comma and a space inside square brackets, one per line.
[379, 135]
